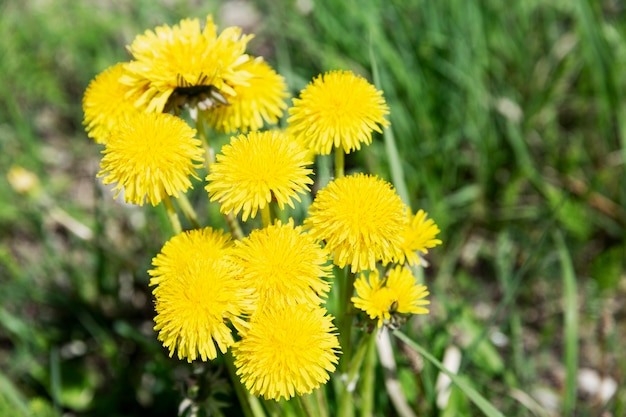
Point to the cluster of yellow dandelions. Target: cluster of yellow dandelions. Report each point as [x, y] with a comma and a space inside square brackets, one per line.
[262, 296]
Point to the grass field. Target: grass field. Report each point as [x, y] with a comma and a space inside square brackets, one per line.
[508, 125]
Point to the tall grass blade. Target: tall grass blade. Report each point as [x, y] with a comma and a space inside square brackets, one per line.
[570, 307]
[10, 396]
[480, 401]
[395, 162]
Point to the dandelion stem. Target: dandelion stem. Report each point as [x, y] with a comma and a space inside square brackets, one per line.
[172, 215]
[345, 280]
[250, 405]
[347, 309]
[188, 211]
[365, 351]
[346, 400]
[234, 226]
[320, 396]
[280, 409]
[307, 406]
[368, 380]
[339, 162]
[345, 283]
[266, 216]
[201, 129]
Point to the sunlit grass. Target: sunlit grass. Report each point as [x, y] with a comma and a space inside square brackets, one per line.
[508, 121]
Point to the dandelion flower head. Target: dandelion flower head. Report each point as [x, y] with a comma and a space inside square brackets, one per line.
[419, 236]
[261, 100]
[337, 109]
[257, 168]
[284, 265]
[104, 101]
[150, 155]
[196, 292]
[187, 60]
[398, 293]
[286, 351]
[360, 218]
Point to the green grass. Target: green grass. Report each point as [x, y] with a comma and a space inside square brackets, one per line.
[507, 126]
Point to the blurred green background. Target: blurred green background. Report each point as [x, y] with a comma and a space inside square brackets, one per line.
[509, 128]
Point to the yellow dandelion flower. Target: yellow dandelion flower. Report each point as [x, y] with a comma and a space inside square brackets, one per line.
[283, 265]
[257, 168]
[338, 109]
[419, 235]
[384, 299]
[286, 351]
[104, 101]
[261, 100]
[360, 218]
[186, 60]
[150, 155]
[196, 292]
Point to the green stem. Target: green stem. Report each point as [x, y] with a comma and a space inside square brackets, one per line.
[209, 157]
[250, 404]
[172, 215]
[200, 126]
[266, 216]
[188, 211]
[307, 406]
[345, 404]
[339, 162]
[368, 380]
[346, 400]
[281, 408]
[346, 285]
[320, 396]
[346, 365]
[357, 361]
[234, 226]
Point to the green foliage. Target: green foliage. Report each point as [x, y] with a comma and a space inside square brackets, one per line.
[509, 121]
[13, 403]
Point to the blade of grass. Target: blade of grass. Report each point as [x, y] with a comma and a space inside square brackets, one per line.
[55, 378]
[480, 401]
[570, 307]
[395, 162]
[515, 283]
[621, 117]
[13, 397]
[597, 54]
